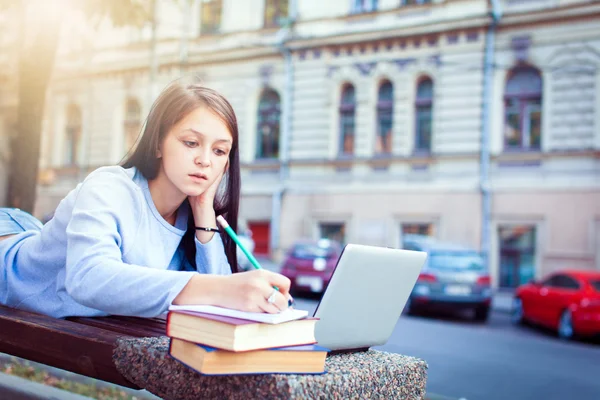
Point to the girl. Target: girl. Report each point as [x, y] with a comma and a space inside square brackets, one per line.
[136, 238]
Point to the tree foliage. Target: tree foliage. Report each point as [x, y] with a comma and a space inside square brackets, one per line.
[39, 27]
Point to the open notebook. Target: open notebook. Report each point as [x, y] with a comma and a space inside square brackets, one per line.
[290, 314]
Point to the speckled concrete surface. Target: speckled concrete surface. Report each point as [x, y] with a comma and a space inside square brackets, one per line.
[369, 375]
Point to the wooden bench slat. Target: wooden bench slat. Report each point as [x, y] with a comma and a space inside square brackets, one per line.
[80, 345]
[130, 326]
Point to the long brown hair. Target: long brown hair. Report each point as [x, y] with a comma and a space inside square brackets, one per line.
[171, 106]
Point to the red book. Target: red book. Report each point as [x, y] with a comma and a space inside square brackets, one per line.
[235, 334]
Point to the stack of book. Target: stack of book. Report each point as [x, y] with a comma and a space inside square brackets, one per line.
[219, 341]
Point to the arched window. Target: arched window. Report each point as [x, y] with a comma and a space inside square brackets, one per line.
[347, 122]
[523, 109]
[72, 135]
[132, 123]
[385, 109]
[275, 12]
[269, 114]
[210, 16]
[423, 113]
[360, 6]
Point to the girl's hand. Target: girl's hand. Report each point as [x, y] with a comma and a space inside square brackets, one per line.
[249, 291]
[244, 291]
[208, 197]
[203, 209]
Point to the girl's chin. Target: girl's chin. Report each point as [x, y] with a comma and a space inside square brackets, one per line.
[193, 192]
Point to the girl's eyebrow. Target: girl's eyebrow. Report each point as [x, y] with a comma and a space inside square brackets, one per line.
[203, 135]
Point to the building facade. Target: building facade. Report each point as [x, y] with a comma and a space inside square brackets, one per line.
[476, 122]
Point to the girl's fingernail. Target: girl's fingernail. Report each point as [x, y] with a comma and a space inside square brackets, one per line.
[290, 302]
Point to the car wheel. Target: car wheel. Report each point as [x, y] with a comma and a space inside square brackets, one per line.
[482, 313]
[517, 311]
[565, 326]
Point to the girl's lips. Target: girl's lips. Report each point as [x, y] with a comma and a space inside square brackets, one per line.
[201, 177]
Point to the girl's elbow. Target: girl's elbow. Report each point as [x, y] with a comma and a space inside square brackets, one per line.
[76, 287]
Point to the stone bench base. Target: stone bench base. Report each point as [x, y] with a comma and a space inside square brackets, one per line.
[373, 375]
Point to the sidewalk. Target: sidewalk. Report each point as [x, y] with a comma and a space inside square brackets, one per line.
[15, 387]
[502, 301]
[269, 264]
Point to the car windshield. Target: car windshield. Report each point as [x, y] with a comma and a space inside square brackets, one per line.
[311, 251]
[457, 261]
[596, 285]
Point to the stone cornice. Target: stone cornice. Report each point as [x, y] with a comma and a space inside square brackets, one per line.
[561, 14]
[424, 30]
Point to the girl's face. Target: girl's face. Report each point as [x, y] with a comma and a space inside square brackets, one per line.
[195, 152]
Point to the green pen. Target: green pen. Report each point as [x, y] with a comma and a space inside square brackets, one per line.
[235, 238]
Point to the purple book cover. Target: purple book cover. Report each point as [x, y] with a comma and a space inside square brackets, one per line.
[214, 317]
[223, 318]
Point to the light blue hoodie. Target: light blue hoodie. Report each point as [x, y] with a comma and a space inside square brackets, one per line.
[107, 250]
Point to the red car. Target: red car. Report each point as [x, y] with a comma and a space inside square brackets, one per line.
[310, 263]
[567, 301]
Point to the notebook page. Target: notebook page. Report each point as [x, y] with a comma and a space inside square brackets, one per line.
[289, 314]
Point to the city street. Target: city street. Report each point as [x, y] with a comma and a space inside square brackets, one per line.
[496, 360]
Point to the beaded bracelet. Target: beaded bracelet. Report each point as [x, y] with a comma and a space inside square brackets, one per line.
[200, 228]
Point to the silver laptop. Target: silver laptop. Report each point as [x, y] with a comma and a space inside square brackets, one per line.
[365, 296]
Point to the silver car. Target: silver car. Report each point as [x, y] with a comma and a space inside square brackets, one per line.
[453, 276]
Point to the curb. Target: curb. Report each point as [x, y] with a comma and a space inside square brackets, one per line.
[16, 388]
[70, 376]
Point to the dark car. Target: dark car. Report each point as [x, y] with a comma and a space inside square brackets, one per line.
[309, 264]
[453, 277]
[567, 301]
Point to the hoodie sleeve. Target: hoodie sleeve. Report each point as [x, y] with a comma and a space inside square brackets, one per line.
[106, 206]
[211, 257]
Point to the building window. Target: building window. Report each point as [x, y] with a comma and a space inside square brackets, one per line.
[408, 230]
[417, 228]
[333, 231]
[276, 11]
[523, 110]
[210, 16]
[269, 113]
[361, 6]
[347, 122]
[414, 2]
[72, 135]
[423, 113]
[132, 123]
[385, 110]
[517, 254]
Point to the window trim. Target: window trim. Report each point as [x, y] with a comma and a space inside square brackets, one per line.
[403, 3]
[214, 27]
[348, 110]
[364, 6]
[523, 100]
[263, 115]
[384, 107]
[278, 13]
[419, 104]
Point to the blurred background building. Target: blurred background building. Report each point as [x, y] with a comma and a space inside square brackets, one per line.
[471, 121]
